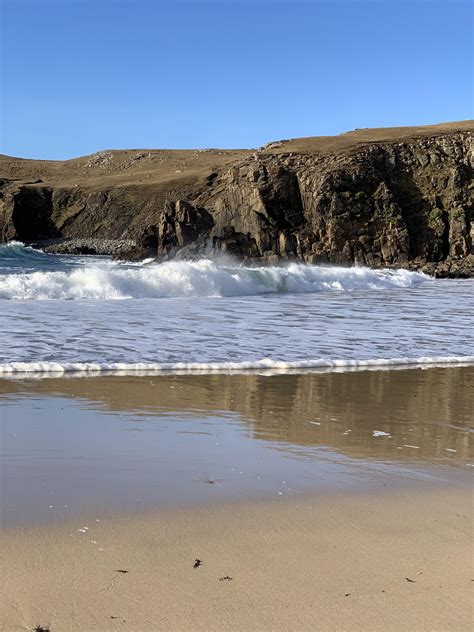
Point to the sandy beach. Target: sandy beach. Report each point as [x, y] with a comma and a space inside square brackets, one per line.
[338, 501]
[399, 561]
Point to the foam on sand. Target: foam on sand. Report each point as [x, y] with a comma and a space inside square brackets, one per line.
[265, 364]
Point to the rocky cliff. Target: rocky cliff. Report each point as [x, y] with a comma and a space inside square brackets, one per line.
[387, 197]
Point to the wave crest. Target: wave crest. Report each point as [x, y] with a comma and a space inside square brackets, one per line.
[204, 278]
[16, 250]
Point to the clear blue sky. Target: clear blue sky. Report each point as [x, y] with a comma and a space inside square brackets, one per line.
[84, 75]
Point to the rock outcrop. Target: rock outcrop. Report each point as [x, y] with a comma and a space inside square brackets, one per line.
[395, 197]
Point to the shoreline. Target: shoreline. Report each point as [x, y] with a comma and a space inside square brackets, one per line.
[265, 367]
[392, 560]
[459, 483]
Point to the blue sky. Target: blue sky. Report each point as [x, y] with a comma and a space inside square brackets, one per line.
[81, 75]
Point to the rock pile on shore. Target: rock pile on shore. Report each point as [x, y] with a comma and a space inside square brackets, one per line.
[86, 246]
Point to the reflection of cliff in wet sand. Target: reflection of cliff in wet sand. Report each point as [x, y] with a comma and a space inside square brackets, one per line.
[432, 410]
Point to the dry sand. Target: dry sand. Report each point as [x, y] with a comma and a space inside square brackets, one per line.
[396, 561]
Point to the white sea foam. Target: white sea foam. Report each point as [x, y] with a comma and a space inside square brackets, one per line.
[266, 364]
[197, 279]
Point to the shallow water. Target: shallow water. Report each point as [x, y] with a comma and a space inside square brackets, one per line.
[91, 314]
[89, 446]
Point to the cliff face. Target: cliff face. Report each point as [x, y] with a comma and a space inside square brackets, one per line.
[388, 204]
[373, 197]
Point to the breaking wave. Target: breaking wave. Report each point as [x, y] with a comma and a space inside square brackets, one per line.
[16, 250]
[263, 365]
[191, 279]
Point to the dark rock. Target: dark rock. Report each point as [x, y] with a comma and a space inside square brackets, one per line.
[182, 224]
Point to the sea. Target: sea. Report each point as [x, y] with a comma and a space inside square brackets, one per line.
[87, 315]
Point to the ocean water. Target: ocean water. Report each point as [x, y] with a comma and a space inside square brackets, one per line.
[91, 314]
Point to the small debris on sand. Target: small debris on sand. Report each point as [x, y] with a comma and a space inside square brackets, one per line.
[226, 578]
[197, 563]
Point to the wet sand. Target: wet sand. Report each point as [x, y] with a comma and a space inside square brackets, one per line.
[88, 446]
[339, 501]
